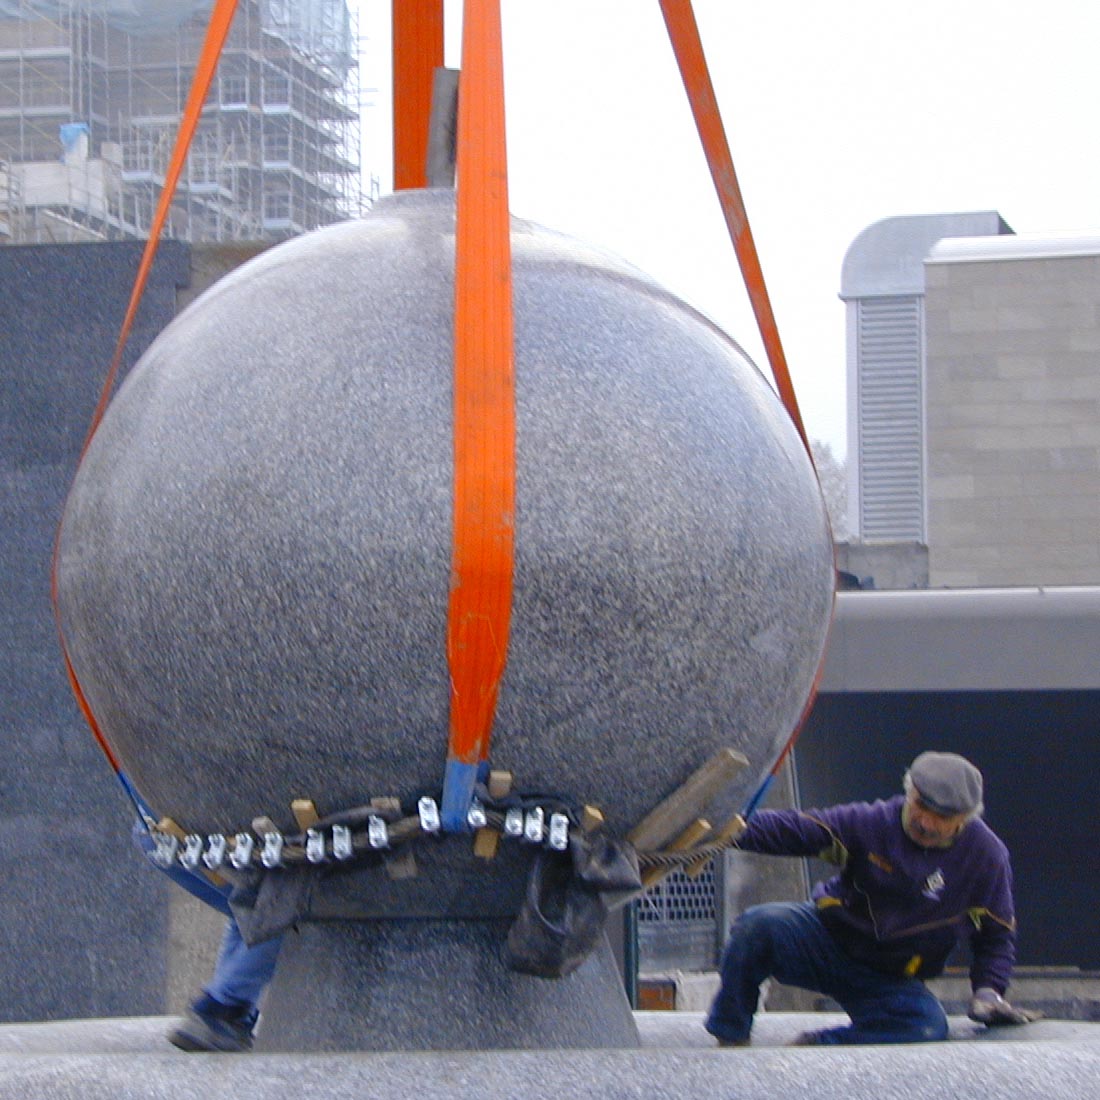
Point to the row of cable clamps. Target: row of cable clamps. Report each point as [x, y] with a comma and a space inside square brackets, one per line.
[195, 853]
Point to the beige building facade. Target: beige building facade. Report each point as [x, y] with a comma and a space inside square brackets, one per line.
[1012, 411]
[974, 402]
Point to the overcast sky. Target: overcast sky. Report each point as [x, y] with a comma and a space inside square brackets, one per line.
[838, 115]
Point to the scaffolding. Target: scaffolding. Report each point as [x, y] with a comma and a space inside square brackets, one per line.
[91, 99]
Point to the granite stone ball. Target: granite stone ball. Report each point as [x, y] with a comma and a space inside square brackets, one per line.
[256, 553]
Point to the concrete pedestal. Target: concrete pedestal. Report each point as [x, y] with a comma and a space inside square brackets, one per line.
[434, 985]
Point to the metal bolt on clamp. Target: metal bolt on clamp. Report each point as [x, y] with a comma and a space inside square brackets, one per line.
[378, 836]
[315, 846]
[513, 822]
[429, 815]
[191, 855]
[215, 851]
[241, 856]
[272, 855]
[341, 842]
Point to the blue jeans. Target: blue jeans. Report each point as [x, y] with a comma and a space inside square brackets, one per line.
[241, 973]
[787, 941]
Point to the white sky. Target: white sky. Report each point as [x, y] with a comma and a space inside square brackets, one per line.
[837, 114]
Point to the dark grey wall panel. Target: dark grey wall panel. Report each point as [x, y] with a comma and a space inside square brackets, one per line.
[83, 919]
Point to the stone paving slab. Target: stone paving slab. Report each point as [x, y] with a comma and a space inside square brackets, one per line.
[129, 1059]
[658, 1030]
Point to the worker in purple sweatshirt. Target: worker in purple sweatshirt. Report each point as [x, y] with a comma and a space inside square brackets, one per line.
[917, 873]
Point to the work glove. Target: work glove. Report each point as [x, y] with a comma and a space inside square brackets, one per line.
[988, 1007]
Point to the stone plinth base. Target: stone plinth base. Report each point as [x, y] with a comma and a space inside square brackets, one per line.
[434, 985]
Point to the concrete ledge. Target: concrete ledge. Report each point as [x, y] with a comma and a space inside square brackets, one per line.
[129, 1059]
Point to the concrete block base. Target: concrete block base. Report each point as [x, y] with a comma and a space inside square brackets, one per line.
[434, 985]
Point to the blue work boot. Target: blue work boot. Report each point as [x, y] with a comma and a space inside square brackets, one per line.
[215, 1027]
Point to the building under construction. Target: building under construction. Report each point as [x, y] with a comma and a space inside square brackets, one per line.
[91, 97]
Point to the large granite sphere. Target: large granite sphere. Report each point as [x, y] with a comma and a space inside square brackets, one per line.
[256, 553]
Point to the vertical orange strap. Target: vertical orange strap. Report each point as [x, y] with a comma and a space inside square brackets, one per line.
[417, 53]
[684, 35]
[484, 410]
[216, 32]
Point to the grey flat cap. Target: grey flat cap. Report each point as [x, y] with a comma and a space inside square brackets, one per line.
[947, 782]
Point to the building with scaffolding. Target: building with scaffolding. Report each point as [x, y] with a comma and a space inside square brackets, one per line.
[91, 97]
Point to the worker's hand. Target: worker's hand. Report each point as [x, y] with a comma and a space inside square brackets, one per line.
[988, 1007]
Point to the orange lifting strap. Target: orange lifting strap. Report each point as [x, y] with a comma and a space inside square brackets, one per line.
[417, 52]
[683, 32]
[216, 33]
[484, 412]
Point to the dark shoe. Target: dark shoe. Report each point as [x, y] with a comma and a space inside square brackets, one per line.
[213, 1027]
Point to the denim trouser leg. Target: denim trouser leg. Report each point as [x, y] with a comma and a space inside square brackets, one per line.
[888, 1010]
[781, 940]
[788, 942]
[242, 973]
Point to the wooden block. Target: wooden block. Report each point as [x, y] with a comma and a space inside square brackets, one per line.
[386, 807]
[685, 841]
[485, 843]
[262, 825]
[500, 785]
[170, 828]
[730, 831]
[591, 819]
[305, 813]
[688, 801]
[402, 864]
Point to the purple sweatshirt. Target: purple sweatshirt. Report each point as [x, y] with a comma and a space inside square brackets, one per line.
[897, 906]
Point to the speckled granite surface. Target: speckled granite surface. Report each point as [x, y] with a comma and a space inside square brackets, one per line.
[256, 554]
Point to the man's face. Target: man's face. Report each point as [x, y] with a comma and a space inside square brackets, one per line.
[927, 827]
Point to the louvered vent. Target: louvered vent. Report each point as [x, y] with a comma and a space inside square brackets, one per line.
[890, 419]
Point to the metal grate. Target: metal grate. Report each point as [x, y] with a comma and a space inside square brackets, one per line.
[680, 898]
[678, 923]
